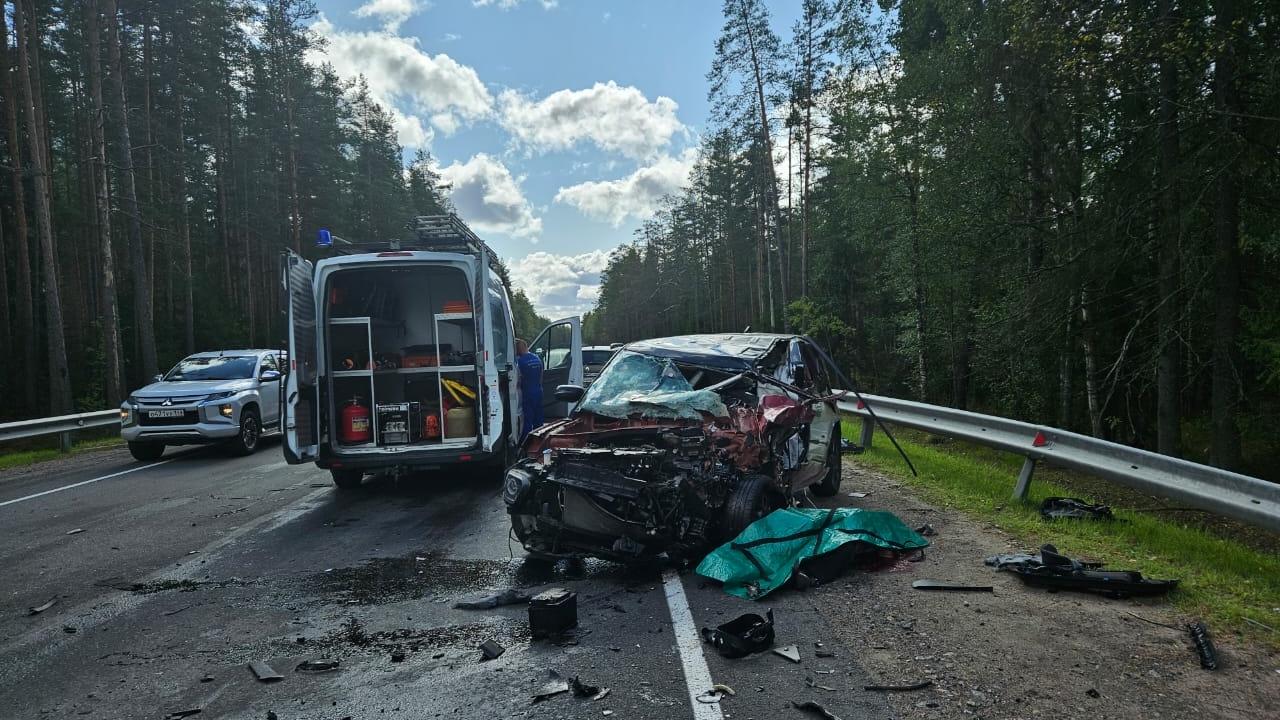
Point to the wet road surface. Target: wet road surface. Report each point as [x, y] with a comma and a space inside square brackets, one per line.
[168, 582]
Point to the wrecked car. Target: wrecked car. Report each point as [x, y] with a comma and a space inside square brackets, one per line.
[678, 445]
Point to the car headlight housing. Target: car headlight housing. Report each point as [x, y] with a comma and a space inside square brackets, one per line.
[517, 487]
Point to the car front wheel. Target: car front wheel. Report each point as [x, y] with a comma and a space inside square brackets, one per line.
[830, 484]
[250, 433]
[146, 451]
[752, 498]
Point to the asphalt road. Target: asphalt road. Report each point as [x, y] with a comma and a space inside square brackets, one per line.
[168, 580]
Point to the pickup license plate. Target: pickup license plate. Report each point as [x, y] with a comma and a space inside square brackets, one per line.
[164, 413]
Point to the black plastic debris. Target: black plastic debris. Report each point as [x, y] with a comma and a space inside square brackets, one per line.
[552, 611]
[506, 597]
[316, 666]
[742, 636]
[1062, 508]
[264, 672]
[1204, 645]
[1055, 571]
[176, 714]
[926, 530]
[935, 585]
[397, 655]
[554, 686]
[898, 688]
[849, 446]
[491, 650]
[816, 709]
[584, 690]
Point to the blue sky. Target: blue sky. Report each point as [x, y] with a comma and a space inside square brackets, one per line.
[559, 123]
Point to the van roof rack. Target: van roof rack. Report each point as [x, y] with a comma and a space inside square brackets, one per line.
[433, 233]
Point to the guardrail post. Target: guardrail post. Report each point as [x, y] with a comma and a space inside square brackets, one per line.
[868, 427]
[1024, 479]
[64, 442]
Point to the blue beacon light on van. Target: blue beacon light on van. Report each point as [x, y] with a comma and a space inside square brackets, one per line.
[324, 239]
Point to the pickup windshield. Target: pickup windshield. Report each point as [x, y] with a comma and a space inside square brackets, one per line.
[222, 367]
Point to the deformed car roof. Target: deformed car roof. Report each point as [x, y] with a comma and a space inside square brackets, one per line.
[733, 351]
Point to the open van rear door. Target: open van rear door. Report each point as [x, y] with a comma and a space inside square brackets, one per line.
[559, 346]
[300, 405]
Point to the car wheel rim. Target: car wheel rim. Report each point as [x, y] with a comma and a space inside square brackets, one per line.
[250, 434]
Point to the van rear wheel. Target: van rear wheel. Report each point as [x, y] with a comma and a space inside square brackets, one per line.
[346, 479]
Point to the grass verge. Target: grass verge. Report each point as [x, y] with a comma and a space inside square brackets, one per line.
[1229, 583]
[19, 458]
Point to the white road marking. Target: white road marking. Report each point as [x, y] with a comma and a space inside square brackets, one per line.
[697, 676]
[85, 482]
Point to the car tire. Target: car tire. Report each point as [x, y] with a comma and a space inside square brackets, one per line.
[346, 479]
[146, 451]
[751, 499]
[830, 484]
[250, 434]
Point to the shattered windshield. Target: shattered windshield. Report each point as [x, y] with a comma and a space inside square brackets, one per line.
[636, 384]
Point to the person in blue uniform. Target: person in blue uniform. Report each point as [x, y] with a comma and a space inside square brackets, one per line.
[530, 387]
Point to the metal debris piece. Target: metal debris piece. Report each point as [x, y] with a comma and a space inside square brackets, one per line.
[37, 609]
[491, 649]
[824, 653]
[1204, 645]
[1093, 693]
[721, 687]
[554, 686]
[809, 682]
[317, 666]
[710, 697]
[77, 530]
[264, 672]
[604, 693]
[580, 688]
[1060, 508]
[506, 597]
[815, 708]
[182, 713]
[790, 652]
[898, 688]
[858, 494]
[69, 629]
[935, 585]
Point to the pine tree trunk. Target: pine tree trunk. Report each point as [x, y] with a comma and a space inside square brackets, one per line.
[1224, 449]
[23, 291]
[59, 380]
[1169, 367]
[107, 277]
[144, 312]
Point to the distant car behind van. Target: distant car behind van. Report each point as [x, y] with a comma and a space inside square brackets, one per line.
[594, 358]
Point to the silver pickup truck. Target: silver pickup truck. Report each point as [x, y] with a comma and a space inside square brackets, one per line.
[226, 396]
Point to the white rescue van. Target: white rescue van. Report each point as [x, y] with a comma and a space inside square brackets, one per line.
[402, 356]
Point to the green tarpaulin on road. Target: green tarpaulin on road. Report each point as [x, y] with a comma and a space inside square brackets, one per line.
[763, 556]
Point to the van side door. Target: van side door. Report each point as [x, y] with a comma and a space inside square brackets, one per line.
[559, 346]
[301, 403]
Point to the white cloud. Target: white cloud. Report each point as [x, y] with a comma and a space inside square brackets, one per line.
[490, 198]
[635, 195]
[391, 12]
[401, 76]
[560, 285]
[613, 118]
[509, 4]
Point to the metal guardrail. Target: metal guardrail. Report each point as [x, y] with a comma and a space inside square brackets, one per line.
[1242, 497]
[63, 426]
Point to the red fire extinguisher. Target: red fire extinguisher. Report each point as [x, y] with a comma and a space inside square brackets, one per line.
[431, 427]
[355, 422]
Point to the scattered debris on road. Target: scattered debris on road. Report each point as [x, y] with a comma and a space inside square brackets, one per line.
[77, 530]
[935, 585]
[37, 609]
[741, 636]
[582, 689]
[1055, 571]
[898, 688]
[553, 611]
[491, 649]
[317, 666]
[554, 686]
[177, 714]
[790, 652]
[811, 683]
[264, 672]
[506, 597]
[1204, 645]
[813, 707]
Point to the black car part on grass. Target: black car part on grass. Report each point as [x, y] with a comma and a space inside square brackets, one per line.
[1204, 645]
[1054, 571]
[1059, 508]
